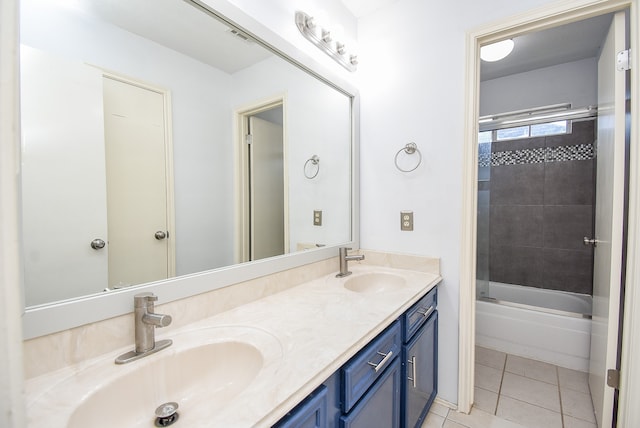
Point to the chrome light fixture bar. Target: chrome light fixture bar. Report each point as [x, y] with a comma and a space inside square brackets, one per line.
[322, 38]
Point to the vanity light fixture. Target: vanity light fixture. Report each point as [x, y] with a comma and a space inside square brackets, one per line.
[322, 38]
[496, 51]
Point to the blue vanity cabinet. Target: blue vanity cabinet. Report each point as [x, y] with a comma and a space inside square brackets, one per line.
[419, 360]
[371, 383]
[390, 383]
[380, 406]
[311, 413]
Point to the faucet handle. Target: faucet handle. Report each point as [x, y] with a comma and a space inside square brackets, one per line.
[143, 299]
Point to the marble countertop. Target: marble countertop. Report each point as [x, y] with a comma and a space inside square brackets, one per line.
[306, 333]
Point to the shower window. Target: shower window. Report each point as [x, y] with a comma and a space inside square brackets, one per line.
[552, 128]
[485, 137]
[512, 133]
[536, 130]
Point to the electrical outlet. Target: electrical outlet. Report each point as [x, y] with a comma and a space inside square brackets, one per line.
[317, 217]
[406, 220]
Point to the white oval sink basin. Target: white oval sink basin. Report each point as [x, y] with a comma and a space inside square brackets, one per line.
[214, 373]
[374, 282]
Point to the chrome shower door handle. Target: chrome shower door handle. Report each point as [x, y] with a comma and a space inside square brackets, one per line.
[592, 241]
[160, 235]
[98, 244]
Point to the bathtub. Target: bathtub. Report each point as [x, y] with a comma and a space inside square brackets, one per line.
[559, 332]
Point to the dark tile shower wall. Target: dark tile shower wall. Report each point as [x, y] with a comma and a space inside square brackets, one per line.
[541, 204]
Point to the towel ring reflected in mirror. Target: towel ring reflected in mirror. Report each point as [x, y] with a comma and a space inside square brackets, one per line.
[410, 149]
[315, 162]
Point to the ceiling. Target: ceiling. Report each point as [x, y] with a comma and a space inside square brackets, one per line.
[567, 43]
[181, 27]
[360, 8]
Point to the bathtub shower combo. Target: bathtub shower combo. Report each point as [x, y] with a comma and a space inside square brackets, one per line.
[536, 196]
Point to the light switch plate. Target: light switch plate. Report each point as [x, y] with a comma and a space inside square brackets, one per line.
[406, 220]
[317, 217]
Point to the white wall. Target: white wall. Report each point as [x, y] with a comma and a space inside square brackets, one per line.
[412, 82]
[574, 82]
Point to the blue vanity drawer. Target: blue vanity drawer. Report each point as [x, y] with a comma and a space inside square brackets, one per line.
[369, 364]
[418, 314]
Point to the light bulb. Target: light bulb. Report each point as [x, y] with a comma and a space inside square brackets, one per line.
[496, 51]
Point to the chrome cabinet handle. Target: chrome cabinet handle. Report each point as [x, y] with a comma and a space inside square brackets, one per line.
[382, 362]
[160, 235]
[427, 312]
[413, 377]
[98, 244]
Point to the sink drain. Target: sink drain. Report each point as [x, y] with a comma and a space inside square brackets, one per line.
[166, 414]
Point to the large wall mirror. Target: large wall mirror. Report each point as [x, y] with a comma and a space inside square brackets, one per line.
[165, 148]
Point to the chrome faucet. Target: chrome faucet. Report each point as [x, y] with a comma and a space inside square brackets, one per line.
[344, 262]
[146, 321]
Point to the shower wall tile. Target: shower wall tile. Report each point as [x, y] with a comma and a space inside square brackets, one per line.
[569, 183]
[568, 270]
[581, 133]
[517, 184]
[517, 225]
[516, 265]
[565, 226]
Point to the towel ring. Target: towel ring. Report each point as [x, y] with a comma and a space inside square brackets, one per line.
[409, 148]
[315, 160]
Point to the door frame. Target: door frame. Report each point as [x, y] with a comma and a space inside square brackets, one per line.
[168, 149]
[241, 154]
[539, 19]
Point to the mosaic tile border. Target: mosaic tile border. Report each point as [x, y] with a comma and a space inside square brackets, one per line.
[537, 155]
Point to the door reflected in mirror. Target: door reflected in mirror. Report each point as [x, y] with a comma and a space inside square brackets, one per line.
[135, 118]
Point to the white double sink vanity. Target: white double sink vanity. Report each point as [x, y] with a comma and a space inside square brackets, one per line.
[262, 363]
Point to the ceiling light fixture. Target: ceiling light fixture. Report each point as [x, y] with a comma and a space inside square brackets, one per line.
[496, 51]
[323, 39]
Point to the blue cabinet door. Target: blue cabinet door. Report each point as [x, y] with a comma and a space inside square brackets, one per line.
[380, 406]
[311, 413]
[420, 373]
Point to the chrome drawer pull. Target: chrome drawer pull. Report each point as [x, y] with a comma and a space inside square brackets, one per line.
[382, 362]
[413, 378]
[427, 312]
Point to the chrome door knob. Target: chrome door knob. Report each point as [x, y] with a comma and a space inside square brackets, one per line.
[587, 241]
[98, 244]
[160, 235]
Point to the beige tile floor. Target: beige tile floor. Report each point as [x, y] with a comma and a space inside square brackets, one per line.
[516, 392]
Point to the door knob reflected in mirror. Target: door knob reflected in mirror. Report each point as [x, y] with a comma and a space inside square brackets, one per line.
[160, 235]
[98, 244]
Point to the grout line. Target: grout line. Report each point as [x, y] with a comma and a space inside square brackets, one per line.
[504, 368]
[560, 397]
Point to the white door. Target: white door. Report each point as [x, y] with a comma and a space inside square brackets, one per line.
[136, 183]
[609, 217]
[63, 178]
[267, 189]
